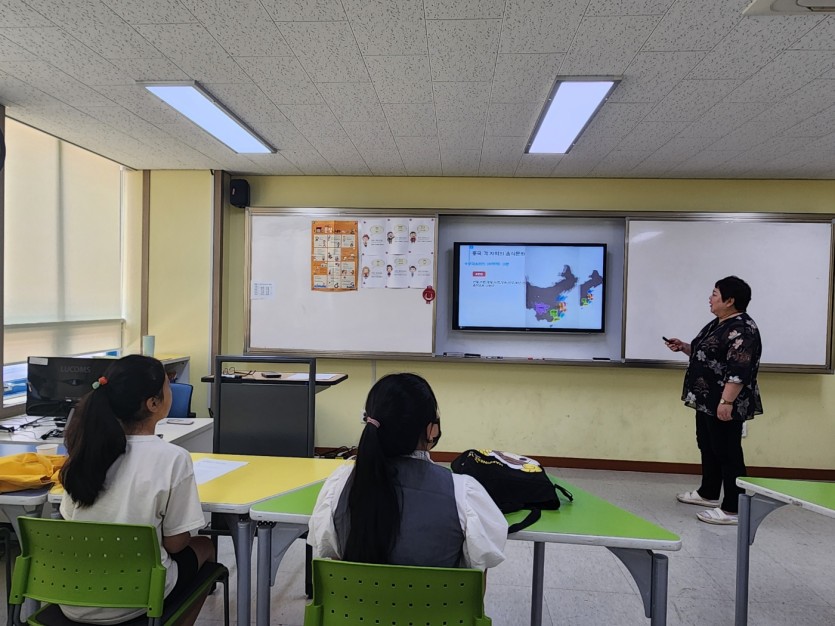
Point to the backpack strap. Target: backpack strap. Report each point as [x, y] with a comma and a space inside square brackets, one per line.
[529, 520]
[564, 492]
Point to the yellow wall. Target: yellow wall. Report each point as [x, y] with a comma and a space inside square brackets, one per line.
[180, 271]
[614, 413]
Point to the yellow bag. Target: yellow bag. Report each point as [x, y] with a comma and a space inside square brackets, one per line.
[29, 471]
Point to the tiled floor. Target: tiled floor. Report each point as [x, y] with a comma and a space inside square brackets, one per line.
[792, 568]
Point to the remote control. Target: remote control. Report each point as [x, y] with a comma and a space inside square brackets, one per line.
[180, 420]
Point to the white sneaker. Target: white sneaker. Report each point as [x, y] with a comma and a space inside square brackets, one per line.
[693, 497]
[718, 516]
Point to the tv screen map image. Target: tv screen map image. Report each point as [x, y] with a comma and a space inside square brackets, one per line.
[529, 287]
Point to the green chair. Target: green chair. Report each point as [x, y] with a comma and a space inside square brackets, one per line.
[364, 593]
[101, 565]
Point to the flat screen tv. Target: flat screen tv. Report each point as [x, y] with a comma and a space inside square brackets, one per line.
[529, 287]
[54, 385]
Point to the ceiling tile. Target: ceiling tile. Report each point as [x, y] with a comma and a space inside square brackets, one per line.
[282, 135]
[400, 79]
[696, 25]
[370, 137]
[268, 163]
[788, 72]
[652, 75]
[128, 123]
[195, 51]
[512, 120]
[457, 162]
[604, 46]
[650, 136]
[68, 54]
[540, 25]
[500, 156]
[340, 152]
[463, 50]
[421, 156]
[305, 10]
[749, 46]
[16, 13]
[461, 134]
[159, 69]
[248, 102]
[387, 26]
[140, 101]
[151, 11]
[463, 9]
[273, 69]
[10, 51]
[815, 126]
[524, 77]
[384, 163]
[411, 120]
[352, 102]
[309, 162]
[461, 100]
[242, 28]
[537, 165]
[722, 118]
[628, 7]
[49, 79]
[326, 50]
[288, 92]
[690, 99]
[821, 37]
[618, 163]
[14, 91]
[312, 120]
[703, 162]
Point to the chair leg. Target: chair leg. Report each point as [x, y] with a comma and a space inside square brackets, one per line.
[226, 601]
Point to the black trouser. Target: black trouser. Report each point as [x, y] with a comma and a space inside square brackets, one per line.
[722, 461]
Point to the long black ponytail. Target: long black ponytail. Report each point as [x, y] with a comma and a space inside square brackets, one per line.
[95, 436]
[403, 405]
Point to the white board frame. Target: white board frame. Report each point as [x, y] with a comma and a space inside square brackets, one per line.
[670, 298]
[360, 323]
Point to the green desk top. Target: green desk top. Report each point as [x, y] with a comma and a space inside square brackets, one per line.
[589, 520]
[812, 495]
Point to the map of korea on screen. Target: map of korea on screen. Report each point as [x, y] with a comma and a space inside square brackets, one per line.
[549, 287]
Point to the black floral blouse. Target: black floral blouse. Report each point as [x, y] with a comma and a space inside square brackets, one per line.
[725, 352]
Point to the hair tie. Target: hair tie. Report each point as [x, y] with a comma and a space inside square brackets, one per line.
[101, 381]
[372, 421]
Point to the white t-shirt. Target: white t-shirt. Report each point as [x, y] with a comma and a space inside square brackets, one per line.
[483, 524]
[151, 483]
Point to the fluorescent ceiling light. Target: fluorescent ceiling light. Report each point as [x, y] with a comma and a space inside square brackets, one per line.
[210, 115]
[567, 112]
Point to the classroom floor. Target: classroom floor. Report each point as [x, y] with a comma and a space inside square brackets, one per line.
[792, 568]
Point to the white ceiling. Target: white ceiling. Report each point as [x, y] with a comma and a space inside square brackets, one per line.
[430, 87]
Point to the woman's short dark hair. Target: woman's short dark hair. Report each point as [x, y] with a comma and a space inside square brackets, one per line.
[736, 288]
[95, 436]
[404, 406]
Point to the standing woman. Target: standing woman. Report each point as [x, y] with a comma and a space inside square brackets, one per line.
[721, 384]
[119, 471]
[394, 505]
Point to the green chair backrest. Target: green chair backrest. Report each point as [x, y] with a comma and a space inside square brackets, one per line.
[89, 564]
[364, 593]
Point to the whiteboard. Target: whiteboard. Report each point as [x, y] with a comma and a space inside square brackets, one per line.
[295, 318]
[672, 267]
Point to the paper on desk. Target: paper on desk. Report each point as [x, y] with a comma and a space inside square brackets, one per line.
[209, 469]
[302, 376]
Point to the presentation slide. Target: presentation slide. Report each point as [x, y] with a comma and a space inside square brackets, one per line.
[529, 287]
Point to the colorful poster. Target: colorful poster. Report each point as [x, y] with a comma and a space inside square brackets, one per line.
[397, 252]
[333, 258]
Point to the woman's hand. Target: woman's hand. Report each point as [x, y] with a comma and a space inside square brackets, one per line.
[677, 345]
[723, 412]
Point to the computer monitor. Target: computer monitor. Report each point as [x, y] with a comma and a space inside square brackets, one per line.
[54, 385]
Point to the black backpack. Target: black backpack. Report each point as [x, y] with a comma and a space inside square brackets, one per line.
[514, 482]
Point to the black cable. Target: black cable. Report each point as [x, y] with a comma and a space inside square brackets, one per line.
[2, 149]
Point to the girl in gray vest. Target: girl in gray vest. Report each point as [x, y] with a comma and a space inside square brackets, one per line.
[394, 505]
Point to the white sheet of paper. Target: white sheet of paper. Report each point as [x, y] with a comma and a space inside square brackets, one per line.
[209, 469]
[301, 376]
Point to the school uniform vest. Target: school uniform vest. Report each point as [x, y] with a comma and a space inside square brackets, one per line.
[430, 533]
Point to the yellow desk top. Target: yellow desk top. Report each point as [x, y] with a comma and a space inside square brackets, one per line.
[262, 477]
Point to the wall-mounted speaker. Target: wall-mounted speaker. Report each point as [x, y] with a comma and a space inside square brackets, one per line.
[239, 193]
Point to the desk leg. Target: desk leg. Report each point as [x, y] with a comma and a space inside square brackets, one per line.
[273, 542]
[752, 511]
[649, 570]
[242, 528]
[537, 583]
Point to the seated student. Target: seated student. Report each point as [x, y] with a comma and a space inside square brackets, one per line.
[119, 471]
[394, 505]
